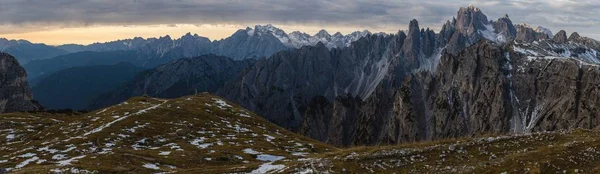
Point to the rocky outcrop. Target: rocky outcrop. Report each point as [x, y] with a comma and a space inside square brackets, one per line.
[505, 27]
[486, 88]
[528, 34]
[248, 45]
[479, 92]
[560, 37]
[416, 85]
[15, 94]
[588, 42]
[470, 20]
[358, 81]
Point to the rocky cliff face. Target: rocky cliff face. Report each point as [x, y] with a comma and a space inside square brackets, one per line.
[420, 85]
[528, 34]
[284, 86]
[479, 91]
[15, 94]
[487, 88]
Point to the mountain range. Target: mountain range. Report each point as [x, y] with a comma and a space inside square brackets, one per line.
[527, 91]
[420, 85]
[250, 43]
[269, 37]
[78, 86]
[349, 94]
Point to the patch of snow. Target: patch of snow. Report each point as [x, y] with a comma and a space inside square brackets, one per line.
[164, 153]
[103, 110]
[59, 157]
[151, 166]
[70, 148]
[244, 115]
[10, 137]
[221, 104]
[267, 167]
[174, 146]
[196, 142]
[299, 154]
[269, 138]
[68, 161]
[269, 158]
[250, 151]
[490, 34]
[27, 161]
[47, 149]
[98, 129]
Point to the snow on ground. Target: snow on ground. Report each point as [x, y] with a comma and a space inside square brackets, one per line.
[97, 137]
[24, 163]
[98, 129]
[221, 104]
[269, 138]
[27, 155]
[250, 151]
[10, 137]
[68, 162]
[267, 167]
[151, 166]
[269, 158]
[197, 142]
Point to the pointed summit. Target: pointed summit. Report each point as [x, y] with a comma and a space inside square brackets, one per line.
[322, 34]
[413, 27]
[574, 36]
[546, 31]
[338, 34]
[470, 20]
[412, 43]
[560, 37]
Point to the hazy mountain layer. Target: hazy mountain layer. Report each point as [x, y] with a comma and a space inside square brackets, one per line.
[74, 88]
[177, 78]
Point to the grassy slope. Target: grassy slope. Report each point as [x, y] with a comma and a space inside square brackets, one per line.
[199, 134]
[143, 128]
[551, 152]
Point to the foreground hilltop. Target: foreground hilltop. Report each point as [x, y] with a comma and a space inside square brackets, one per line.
[204, 133]
[575, 151]
[144, 135]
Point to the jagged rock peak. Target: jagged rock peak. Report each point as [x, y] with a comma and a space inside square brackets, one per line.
[413, 26]
[546, 31]
[166, 37]
[470, 19]
[471, 7]
[560, 37]
[574, 36]
[338, 34]
[322, 34]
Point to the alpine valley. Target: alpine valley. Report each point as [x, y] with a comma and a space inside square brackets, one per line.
[479, 96]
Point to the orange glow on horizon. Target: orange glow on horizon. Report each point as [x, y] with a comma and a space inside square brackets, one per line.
[89, 35]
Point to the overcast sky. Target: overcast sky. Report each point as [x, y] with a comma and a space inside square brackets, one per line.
[86, 21]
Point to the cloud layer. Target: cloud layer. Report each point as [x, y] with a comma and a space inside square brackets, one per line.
[31, 15]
